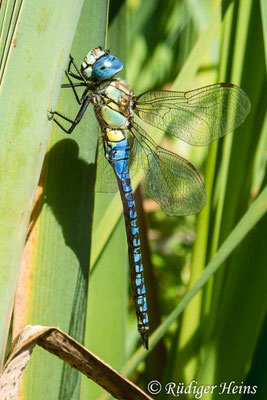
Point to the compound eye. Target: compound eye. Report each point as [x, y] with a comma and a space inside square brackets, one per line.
[106, 67]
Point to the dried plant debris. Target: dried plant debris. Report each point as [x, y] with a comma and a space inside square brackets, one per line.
[63, 346]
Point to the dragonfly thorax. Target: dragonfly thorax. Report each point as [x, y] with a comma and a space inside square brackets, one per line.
[113, 104]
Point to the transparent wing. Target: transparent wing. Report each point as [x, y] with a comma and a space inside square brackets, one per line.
[170, 179]
[106, 181]
[198, 116]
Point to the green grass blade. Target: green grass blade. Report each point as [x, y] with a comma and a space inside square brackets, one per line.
[8, 21]
[264, 25]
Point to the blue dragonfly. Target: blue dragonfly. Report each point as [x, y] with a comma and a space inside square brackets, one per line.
[197, 116]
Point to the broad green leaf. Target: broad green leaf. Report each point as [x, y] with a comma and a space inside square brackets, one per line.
[32, 70]
[54, 279]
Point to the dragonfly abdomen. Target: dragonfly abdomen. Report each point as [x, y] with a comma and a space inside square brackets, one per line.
[117, 153]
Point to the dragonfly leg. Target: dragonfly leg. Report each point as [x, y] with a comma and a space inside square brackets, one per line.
[78, 75]
[78, 118]
[73, 85]
[68, 85]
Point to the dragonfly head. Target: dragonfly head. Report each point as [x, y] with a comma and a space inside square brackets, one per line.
[100, 64]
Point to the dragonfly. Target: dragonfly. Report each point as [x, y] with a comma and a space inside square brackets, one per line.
[198, 117]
